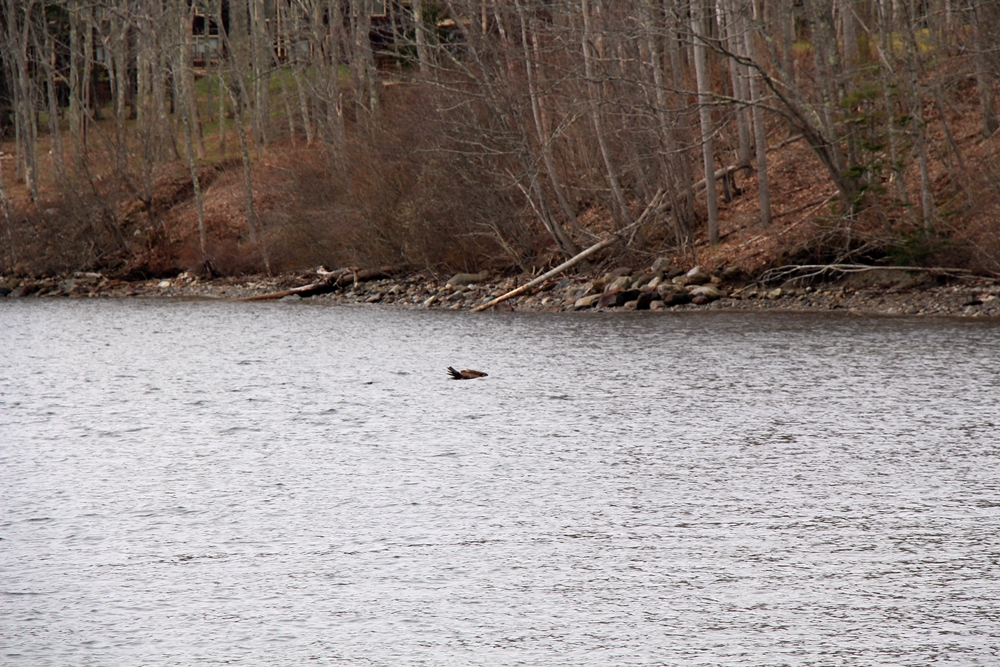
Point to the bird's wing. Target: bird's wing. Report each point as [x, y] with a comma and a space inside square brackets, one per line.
[455, 375]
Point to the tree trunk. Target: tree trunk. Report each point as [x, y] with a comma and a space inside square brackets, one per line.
[260, 66]
[55, 134]
[75, 55]
[420, 35]
[619, 208]
[252, 222]
[705, 113]
[187, 72]
[917, 119]
[25, 116]
[731, 28]
[685, 212]
[984, 78]
[759, 131]
[297, 75]
[543, 139]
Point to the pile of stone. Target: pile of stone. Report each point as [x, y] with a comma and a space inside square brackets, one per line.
[662, 286]
[659, 287]
[79, 284]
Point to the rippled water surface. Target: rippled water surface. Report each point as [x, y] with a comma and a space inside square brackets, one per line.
[197, 483]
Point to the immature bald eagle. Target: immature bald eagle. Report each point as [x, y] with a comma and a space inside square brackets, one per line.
[465, 374]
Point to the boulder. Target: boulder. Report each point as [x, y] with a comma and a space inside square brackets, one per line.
[621, 271]
[674, 298]
[611, 299]
[431, 300]
[732, 273]
[775, 294]
[641, 279]
[619, 298]
[467, 278]
[661, 264]
[667, 289]
[697, 276]
[374, 298]
[24, 289]
[710, 292]
[656, 305]
[645, 299]
[619, 283]
[586, 302]
[700, 300]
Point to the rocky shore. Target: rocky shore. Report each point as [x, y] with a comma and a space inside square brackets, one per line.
[660, 287]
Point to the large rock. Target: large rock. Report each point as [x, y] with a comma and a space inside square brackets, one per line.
[619, 298]
[668, 289]
[621, 271]
[671, 295]
[467, 278]
[641, 279]
[645, 299]
[618, 284]
[586, 302]
[661, 264]
[732, 273]
[611, 299]
[710, 292]
[697, 276]
[24, 289]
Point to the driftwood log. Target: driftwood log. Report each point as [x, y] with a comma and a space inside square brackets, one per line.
[330, 281]
[576, 259]
[808, 271]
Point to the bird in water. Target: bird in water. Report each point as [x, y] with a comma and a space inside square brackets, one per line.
[465, 374]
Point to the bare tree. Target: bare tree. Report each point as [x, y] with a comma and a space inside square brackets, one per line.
[699, 34]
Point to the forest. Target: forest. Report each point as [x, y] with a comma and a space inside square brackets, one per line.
[145, 138]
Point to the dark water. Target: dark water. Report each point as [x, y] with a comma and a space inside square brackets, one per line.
[192, 483]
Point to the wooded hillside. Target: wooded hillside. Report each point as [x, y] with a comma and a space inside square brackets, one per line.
[149, 137]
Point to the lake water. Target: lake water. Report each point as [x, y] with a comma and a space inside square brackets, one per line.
[199, 483]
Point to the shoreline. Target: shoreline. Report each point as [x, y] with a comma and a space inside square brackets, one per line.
[873, 293]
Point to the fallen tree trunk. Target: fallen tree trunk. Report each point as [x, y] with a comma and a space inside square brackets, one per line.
[806, 271]
[305, 290]
[725, 172]
[733, 168]
[363, 275]
[331, 281]
[576, 259]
